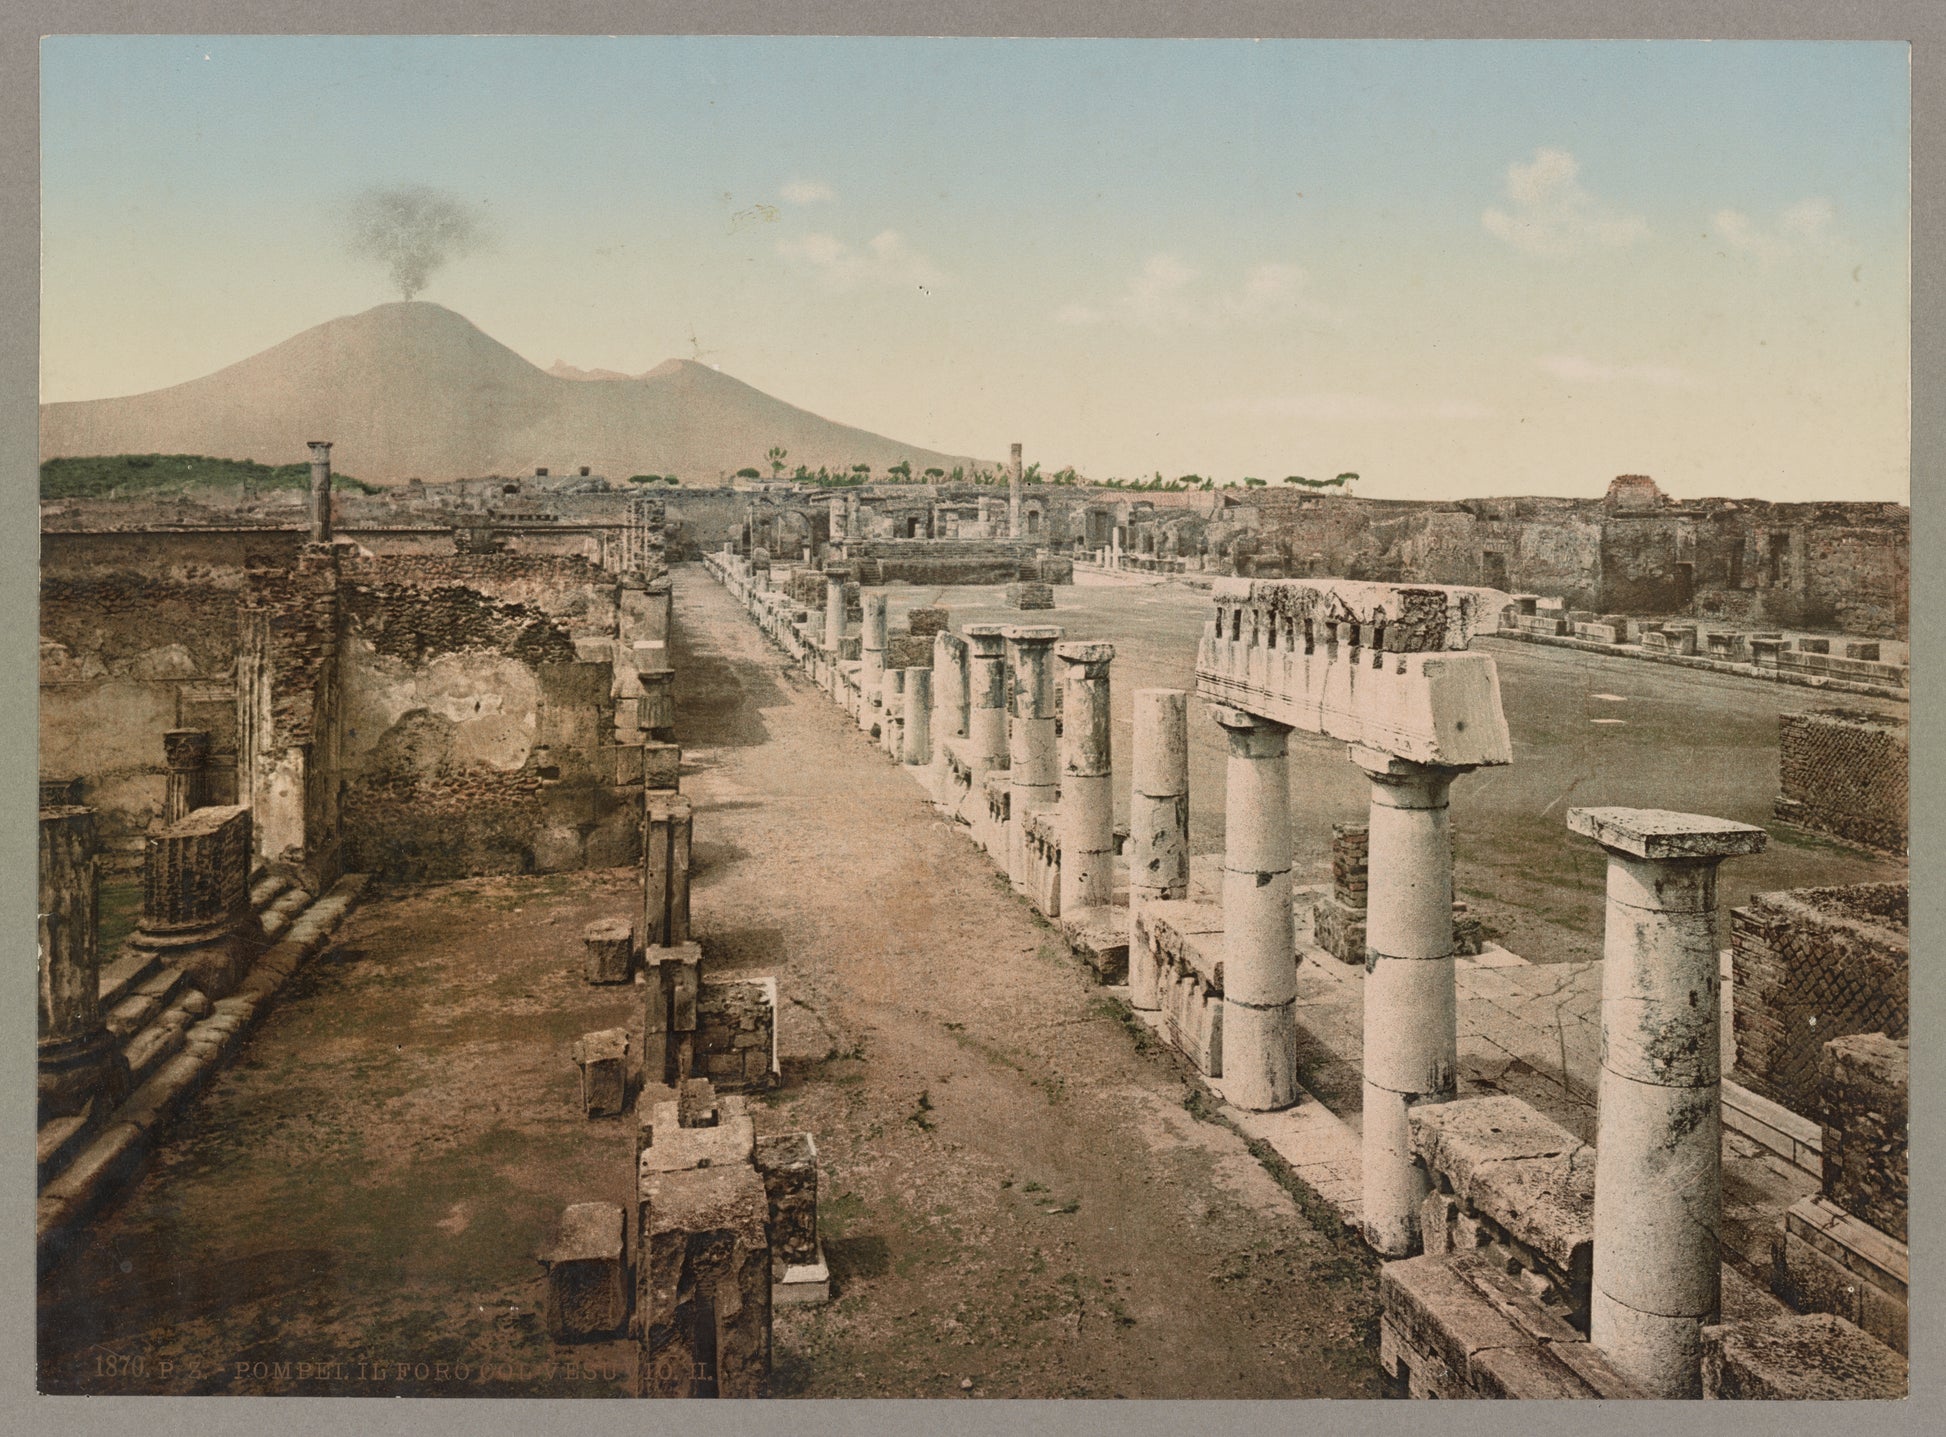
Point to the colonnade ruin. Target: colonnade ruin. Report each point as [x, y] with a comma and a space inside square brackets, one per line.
[258, 729]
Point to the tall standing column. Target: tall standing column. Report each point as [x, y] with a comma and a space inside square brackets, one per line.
[834, 631]
[77, 1059]
[986, 718]
[948, 704]
[1031, 757]
[1158, 825]
[1013, 496]
[320, 491]
[1087, 779]
[186, 751]
[918, 717]
[871, 673]
[1658, 1155]
[837, 517]
[1411, 1029]
[1259, 944]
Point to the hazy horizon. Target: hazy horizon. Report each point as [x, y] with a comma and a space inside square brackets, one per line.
[1456, 268]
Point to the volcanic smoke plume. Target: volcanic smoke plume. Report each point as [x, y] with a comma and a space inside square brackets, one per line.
[412, 230]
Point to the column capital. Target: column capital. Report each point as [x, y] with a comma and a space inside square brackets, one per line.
[1661, 836]
[1094, 657]
[1386, 767]
[1242, 721]
[186, 747]
[989, 640]
[1030, 633]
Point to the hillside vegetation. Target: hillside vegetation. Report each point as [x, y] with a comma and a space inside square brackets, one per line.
[103, 476]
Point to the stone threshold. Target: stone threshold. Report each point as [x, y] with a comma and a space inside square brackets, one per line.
[83, 1170]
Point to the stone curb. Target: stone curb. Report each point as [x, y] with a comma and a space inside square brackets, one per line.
[1714, 666]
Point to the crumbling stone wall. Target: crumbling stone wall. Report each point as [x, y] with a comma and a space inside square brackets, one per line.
[1808, 966]
[1845, 773]
[1863, 1082]
[736, 1032]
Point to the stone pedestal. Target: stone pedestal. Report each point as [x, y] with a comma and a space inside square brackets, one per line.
[1411, 1027]
[1087, 778]
[1259, 943]
[586, 1292]
[1658, 1173]
[186, 751]
[871, 657]
[196, 913]
[603, 1060]
[609, 948]
[1031, 757]
[658, 704]
[986, 719]
[1158, 825]
[918, 717]
[77, 1058]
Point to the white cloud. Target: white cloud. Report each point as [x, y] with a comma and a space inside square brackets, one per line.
[1805, 225]
[1167, 293]
[1554, 214]
[1574, 369]
[1339, 407]
[807, 192]
[885, 259]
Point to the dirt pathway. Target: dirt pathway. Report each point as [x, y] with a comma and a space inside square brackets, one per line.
[1016, 1193]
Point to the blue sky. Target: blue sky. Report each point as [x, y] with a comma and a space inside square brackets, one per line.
[1454, 267]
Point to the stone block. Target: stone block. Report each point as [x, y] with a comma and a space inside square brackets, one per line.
[789, 1164]
[587, 1288]
[1032, 595]
[665, 870]
[603, 1059]
[609, 948]
[1863, 1080]
[1815, 1356]
[1826, 1260]
[661, 766]
[926, 621]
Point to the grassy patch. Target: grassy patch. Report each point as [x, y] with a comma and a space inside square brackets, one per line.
[128, 476]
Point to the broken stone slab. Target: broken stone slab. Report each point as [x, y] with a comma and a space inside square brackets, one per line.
[1098, 935]
[609, 946]
[603, 1059]
[587, 1287]
[1814, 1356]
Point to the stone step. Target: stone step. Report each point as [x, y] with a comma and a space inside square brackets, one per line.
[144, 1001]
[155, 1045]
[265, 889]
[118, 977]
[280, 914]
[57, 1141]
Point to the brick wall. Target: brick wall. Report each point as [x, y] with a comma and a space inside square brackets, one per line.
[736, 1024]
[1845, 773]
[1864, 1082]
[1808, 966]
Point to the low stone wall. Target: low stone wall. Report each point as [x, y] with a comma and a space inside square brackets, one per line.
[1189, 977]
[1845, 773]
[736, 1033]
[1808, 966]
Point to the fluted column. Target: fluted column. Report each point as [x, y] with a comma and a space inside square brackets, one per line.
[186, 751]
[871, 672]
[986, 721]
[834, 632]
[77, 1059]
[918, 717]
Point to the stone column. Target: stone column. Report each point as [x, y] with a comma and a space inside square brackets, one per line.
[1158, 825]
[837, 516]
[1087, 779]
[1259, 941]
[949, 705]
[1013, 496]
[196, 912]
[918, 717]
[986, 715]
[834, 631]
[1658, 1164]
[1411, 1031]
[891, 713]
[1031, 757]
[78, 1060]
[871, 674]
[186, 751]
[320, 491]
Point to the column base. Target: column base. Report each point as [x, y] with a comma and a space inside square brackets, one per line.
[212, 957]
[76, 1071]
